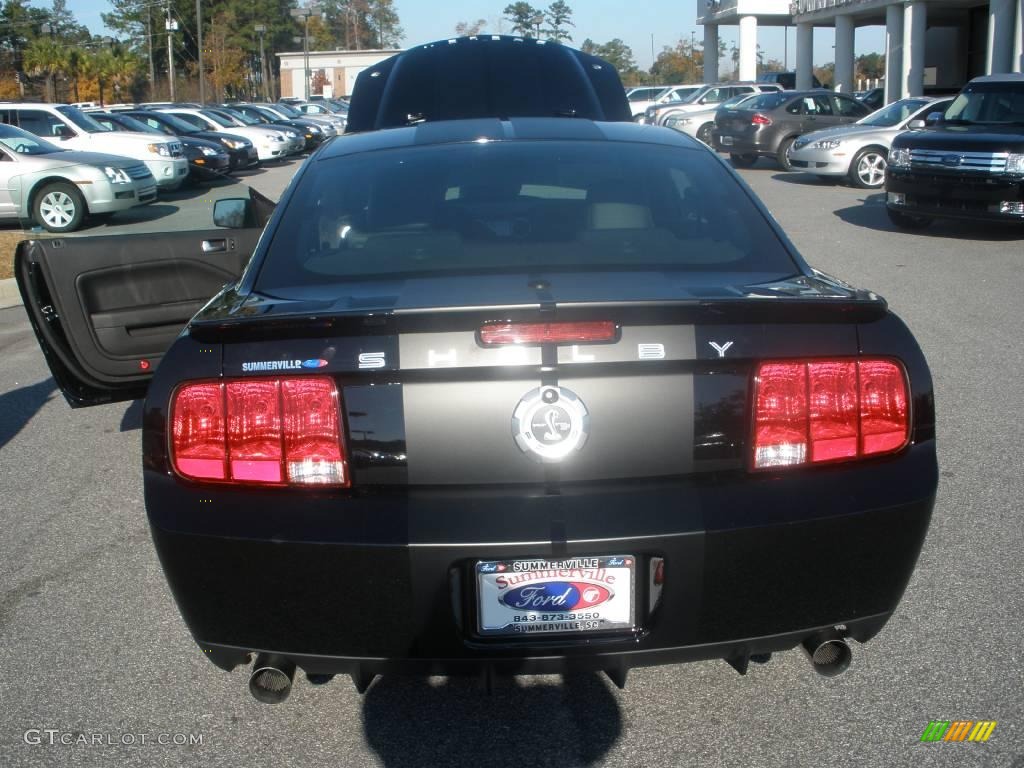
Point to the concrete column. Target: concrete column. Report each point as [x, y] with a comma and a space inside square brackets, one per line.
[1017, 62]
[844, 54]
[710, 53]
[1001, 22]
[804, 56]
[893, 53]
[915, 24]
[748, 48]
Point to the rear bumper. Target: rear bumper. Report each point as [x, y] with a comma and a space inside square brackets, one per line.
[384, 581]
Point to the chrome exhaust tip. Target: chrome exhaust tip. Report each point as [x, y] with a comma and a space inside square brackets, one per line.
[829, 653]
[271, 678]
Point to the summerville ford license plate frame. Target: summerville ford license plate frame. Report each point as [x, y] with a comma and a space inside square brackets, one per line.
[520, 598]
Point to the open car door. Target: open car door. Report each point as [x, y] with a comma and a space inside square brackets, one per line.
[105, 309]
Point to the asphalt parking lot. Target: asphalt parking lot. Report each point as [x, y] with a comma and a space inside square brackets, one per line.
[92, 643]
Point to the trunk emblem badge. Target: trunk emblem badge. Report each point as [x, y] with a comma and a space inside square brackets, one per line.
[550, 423]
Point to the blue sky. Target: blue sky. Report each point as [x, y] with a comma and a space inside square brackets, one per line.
[600, 20]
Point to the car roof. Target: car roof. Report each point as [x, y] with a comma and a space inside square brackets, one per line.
[483, 130]
[1006, 77]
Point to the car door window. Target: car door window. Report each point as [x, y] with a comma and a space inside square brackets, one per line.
[714, 96]
[822, 106]
[41, 123]
[847, 107]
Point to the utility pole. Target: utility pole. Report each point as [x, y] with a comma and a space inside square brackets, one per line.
[199, 41]
[171, 25]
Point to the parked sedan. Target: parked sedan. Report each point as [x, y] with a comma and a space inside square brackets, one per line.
[295, 142]
[270, 144]
[701, 124]
[57, 188]
[312, 134]
[206, 159]
[768, 125]
[860, 151]
[241, 151]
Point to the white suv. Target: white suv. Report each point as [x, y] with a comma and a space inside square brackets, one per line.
[672, 94]
[70, 128]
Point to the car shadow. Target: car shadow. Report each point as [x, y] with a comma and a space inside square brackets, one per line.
[807, 179]
[871, 215]
[454, 721]
[131, 419]
[137, 215]
[18, 406]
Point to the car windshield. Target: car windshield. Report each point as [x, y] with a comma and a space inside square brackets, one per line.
[81, 120]
[129, 123]
[177, 124]
[287, 110]
[988, 103]
[250, 117]
[218, 118]
[894, 114]
[24, 143]
[516, 206]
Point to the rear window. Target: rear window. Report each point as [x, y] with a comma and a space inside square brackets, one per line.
[516, 206]
[766, 101]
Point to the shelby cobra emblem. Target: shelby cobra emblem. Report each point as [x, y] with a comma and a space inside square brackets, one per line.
[549, 423]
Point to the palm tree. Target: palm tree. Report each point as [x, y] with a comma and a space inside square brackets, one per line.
[98, 64]
[45, 56]
[124, 69]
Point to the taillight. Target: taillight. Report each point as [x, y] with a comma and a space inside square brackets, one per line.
[817, 411]
[759, 119]
[496, 334]
[284, 431]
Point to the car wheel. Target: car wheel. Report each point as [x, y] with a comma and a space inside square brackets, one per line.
[906, 221]
[783, 154]
[743, 161]
[59, 207]
[867, 170]
[704, 133]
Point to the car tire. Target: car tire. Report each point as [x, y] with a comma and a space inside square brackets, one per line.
[783, 154]
[867, 171]
[704, 133]
[59, 207]
[906, 221]
[745, 160]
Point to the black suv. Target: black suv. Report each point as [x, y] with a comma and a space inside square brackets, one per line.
[969, 164]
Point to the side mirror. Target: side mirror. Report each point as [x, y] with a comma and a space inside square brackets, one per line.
[934, 118]
[63, 132]
[916, 125]
[232, 212]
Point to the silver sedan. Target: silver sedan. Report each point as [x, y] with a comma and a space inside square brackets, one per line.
[701, 123]
[57, 188]
[859, 150]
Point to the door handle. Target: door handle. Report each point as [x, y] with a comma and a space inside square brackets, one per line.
[215, 246]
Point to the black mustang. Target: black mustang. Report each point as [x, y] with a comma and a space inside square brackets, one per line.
[529, 390]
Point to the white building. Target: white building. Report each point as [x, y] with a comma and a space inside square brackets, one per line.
[941, 43]
[337, 70]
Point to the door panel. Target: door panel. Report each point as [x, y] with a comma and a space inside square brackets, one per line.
[105, 309]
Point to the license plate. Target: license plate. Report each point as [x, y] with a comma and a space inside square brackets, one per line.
[571, 596]
[725, 140]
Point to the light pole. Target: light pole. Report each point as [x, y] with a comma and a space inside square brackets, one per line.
[51, 83]
[304, 13]
[199, 43]
[261, 30]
